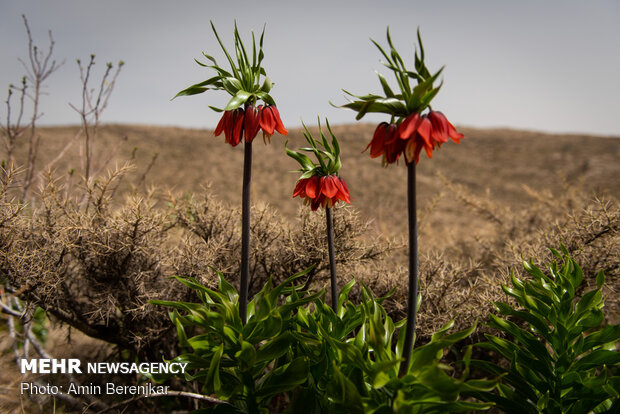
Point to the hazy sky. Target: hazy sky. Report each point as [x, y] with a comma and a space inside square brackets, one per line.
[544, 65]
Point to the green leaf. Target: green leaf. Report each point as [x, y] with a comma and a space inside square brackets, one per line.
[267, 85]
[597, 358]
[344, 393]
[192, 90]
[386, 88]
[212, 380]
[305, 161]
[239, 99]
[232, 85]
[200, 87]
[283, 378]
[275, 348]
[600, 279]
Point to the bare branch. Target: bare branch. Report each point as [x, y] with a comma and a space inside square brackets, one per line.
[167, 394]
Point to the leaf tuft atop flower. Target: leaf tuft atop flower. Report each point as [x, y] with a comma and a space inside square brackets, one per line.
[246, 80]
[319, 183]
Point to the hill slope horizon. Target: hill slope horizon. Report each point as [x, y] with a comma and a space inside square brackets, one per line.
[503, 166]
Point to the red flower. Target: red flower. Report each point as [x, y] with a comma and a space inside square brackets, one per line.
[385, 142]
[443, 129]
[249, 121]
[417, 131]
[322, 191]
[270, 121]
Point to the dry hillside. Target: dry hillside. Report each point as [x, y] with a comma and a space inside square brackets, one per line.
[495, 164]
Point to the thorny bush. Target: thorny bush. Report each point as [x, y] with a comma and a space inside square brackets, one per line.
[93, 262]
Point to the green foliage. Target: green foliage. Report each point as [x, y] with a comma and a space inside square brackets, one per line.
[365, 350]
[294, 344]
[327, 155]
[561, 358]
[411, 99]
[242, 81]
[247, 365]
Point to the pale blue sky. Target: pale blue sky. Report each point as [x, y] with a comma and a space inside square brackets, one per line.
[542, 65]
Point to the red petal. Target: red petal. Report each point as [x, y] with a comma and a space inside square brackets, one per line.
[312, 187]
[328, 186]
[251, 123]
[409, 126]
[314, 205]
[229, 125]
[378, 140]
[238, 129]
[279, 125]
[456, 136]
[424, 130]
[220, 125]
[343, 191]
[267, 120]
[429, 150]
[440, 126]
[300, 188]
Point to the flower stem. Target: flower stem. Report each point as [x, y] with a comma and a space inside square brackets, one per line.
[332, 257]
[413, 270]
[245, 232]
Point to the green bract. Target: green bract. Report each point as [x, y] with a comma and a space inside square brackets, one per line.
[328, 156]
[242, 81]
[411, 99]
[561, 357]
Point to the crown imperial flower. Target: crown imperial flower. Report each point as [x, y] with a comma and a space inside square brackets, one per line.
[320, 184]
[247, 122]
[322, 191]
[241, 117]
[409, 131]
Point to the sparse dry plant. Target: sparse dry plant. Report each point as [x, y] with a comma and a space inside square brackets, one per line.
[280, 248]
[94, 102]
[39, 67]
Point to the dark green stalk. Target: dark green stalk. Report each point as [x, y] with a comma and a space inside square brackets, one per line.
[332, 258]
[245, 233]
[413, 270]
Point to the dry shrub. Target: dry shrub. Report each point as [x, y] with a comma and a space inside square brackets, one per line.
[278, 248]
[93, 262]
[90, 266]
[462, 279]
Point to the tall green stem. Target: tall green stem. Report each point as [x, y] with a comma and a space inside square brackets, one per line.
[245, 232]
[413, 270]
[332, 257]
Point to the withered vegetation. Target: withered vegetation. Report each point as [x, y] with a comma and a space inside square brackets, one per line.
[94, 265]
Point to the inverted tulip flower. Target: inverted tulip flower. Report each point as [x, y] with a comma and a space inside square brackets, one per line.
[241, 120]
[322, 191]
[320, 186]
[240, 123]
[409, 131]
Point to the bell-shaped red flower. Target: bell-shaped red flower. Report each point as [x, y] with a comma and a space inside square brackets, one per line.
[251, 123]
[239, 122]
[415, 133]
[322, 191]
[443, 129]
[270, 121]
[232, 126]
[385, 142]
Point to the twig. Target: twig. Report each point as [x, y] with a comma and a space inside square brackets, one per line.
[167, 394]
